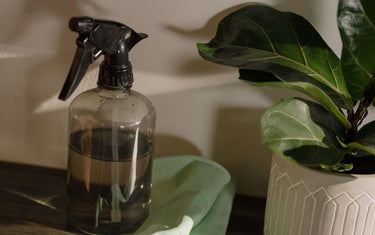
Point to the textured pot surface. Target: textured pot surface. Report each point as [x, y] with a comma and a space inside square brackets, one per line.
[305, 201]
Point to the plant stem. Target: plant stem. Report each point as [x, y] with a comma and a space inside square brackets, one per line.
[359, 115]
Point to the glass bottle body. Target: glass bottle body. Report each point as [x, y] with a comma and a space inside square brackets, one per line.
[110, 161]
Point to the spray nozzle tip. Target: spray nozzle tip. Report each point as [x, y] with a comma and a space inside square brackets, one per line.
[81, 24]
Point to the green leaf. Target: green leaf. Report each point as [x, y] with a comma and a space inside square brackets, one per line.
[303, 131]
[365, 139]
[355, 146]
[339, 167]
[356, 21]
[300, 82]
[264, 39]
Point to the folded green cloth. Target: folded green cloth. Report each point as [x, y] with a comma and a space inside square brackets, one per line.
[190, 195]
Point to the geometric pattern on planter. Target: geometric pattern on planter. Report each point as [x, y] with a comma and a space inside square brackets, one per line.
[292, 208]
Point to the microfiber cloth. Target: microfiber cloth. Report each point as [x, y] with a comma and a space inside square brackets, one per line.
[190, 195]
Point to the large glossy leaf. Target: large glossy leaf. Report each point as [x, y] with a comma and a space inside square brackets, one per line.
[356, 20]
[300, 82]
[262, 38]
[304, 132]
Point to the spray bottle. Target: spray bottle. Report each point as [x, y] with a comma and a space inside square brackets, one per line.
[110, 133]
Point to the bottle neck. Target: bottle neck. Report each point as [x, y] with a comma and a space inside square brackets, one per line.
[111, 94]
[113, 78]
[116, 70]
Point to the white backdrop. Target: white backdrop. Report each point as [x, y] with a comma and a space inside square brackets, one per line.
[202, 108]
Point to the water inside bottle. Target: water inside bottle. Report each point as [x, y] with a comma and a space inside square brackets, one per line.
[96, 202]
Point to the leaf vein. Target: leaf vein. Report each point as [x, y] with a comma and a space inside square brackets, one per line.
[365, 15]
[264, 32]
[294, 118]
[293, 138]
[331, 70]
[298, 42]
[264, 58]
[306, 66]
[357, 62]
[314, 72]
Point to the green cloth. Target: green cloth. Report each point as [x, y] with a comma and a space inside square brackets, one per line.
[190, 195]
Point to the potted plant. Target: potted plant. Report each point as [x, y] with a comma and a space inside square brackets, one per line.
[331, 190]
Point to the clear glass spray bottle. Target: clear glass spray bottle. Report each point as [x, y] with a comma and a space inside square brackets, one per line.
[110, 134]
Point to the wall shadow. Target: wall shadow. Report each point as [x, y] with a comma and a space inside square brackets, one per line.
[237, 146]
[198, 66]
[209, 29]
[300, 7]
[62, 10]
[47, 78]
[168, 145]
[46, 132]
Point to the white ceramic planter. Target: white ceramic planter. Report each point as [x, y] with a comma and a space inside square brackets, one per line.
[305, 201]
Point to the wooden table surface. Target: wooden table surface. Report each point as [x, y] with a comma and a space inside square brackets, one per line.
[32, 201]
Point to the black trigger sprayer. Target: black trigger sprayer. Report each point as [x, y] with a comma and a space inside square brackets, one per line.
[98, 37]
[111, 132]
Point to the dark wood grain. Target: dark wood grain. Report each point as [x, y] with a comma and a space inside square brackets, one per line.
[247, 216]
[32, 201]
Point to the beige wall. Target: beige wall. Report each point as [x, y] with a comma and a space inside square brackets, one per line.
[202, 108]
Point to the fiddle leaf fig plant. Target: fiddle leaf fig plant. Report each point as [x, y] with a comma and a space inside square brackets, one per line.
[282, 49]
